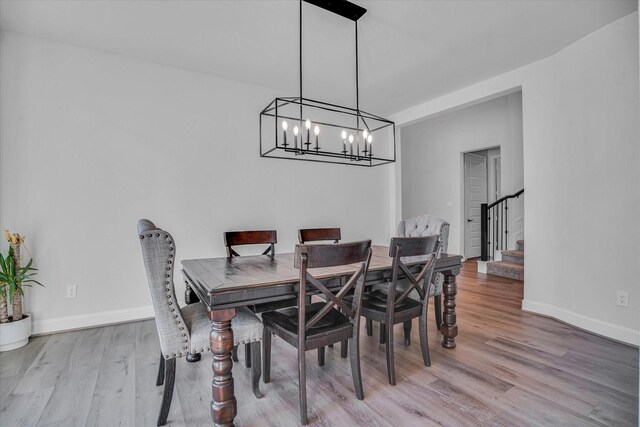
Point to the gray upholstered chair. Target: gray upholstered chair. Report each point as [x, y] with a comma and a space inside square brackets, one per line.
[184, 331]
[429, 225]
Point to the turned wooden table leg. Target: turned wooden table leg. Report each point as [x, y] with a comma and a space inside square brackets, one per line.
[449, 329]
[223, 399]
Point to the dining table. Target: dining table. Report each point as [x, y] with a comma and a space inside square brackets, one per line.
[265, 282]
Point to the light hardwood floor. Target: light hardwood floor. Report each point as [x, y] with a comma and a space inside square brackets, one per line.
[510, 368]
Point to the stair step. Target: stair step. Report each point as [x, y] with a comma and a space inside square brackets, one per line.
[516, 257]
[520, 245]
[506, 269]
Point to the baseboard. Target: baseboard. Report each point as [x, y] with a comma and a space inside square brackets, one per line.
[598, 327]
[90, 320]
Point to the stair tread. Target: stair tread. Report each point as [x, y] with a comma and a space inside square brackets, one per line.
[506, 265]
[514, 253]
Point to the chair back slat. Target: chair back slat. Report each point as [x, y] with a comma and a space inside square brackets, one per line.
[253, 237]
[332, 255]
[315, 256]
[412, 246]
[319, 234]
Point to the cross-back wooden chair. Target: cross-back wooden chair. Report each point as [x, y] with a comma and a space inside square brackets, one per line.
[316, 325]
[407, 295]
[306, 235]
[252, 237]
[319, 234]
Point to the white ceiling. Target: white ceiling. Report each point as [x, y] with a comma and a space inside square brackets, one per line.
[410, 51]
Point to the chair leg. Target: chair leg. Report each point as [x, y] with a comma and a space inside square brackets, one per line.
[160, 379]
[391, 367]
[302, 383]
[256, 369]
[320, 356]
[234, 354]
[169, 381]
[354, 355]
[407, 332]
[247, 355]
[424, 339]
[437, 307]
[344, 346]
[369, 327]
[266, 355]
[382, 334]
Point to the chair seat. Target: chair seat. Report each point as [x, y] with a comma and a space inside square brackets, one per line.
[286, 321]
[246, 326]
[374, 306]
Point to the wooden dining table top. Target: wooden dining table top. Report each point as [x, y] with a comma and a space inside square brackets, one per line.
[236, 274]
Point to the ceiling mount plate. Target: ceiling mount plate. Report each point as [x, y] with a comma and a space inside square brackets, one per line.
[344, 8]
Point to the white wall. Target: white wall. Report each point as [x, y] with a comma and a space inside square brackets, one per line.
[432, 163]
[581, 175]
[91, 142]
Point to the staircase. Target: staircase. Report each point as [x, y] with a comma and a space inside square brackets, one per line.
[512, 264]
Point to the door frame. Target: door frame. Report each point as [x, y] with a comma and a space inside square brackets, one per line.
[463, 208]
[465, 223]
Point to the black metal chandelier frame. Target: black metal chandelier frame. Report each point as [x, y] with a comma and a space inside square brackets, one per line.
[363, 120]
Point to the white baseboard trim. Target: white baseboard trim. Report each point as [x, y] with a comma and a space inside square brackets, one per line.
[605, 329]
[90, 320]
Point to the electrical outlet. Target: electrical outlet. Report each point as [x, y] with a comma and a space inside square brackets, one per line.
[70, 291]
[622, 299]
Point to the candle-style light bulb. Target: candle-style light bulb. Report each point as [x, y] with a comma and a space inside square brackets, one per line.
[344, 141]
[350, 144]
[296, 129]
[369, 140]
[307, 124]
[284, 132]
[365, 133]
[350, 139]
[316, 131]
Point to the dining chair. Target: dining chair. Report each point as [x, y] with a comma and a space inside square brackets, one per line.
[429, 225]
[312, 326]
[255, 237]
[252, 237]
[184, 331]
[319, 234]
[406, 296]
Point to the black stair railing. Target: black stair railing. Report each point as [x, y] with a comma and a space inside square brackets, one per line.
[494, 225]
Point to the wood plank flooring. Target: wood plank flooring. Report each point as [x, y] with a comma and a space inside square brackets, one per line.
[510, 368]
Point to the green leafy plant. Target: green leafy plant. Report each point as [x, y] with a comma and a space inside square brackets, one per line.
[13, 280]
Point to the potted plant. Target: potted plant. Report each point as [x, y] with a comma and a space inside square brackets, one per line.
[15, 330]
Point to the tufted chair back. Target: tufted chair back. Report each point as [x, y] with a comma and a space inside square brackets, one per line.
[426, 225]
[159, 254]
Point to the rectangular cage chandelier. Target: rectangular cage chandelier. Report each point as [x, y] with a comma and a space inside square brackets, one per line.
[300, 128]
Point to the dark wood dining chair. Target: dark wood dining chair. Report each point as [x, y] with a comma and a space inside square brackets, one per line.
[319, 234]
[406, 297]
[313, 326]
[255, 237]
[241, 238]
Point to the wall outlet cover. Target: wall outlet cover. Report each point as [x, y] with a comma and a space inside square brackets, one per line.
[622, 299]
[70, 291]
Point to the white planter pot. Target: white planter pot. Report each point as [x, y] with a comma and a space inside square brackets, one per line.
[15, 334]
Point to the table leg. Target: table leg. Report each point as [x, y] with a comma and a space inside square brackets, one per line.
[449, 329]
[223, 400]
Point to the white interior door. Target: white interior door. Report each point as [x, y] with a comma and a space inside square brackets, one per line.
[475, 193]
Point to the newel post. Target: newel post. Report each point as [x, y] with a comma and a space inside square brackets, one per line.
[484, 231]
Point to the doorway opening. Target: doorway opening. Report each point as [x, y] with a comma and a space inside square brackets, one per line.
[482, 184]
